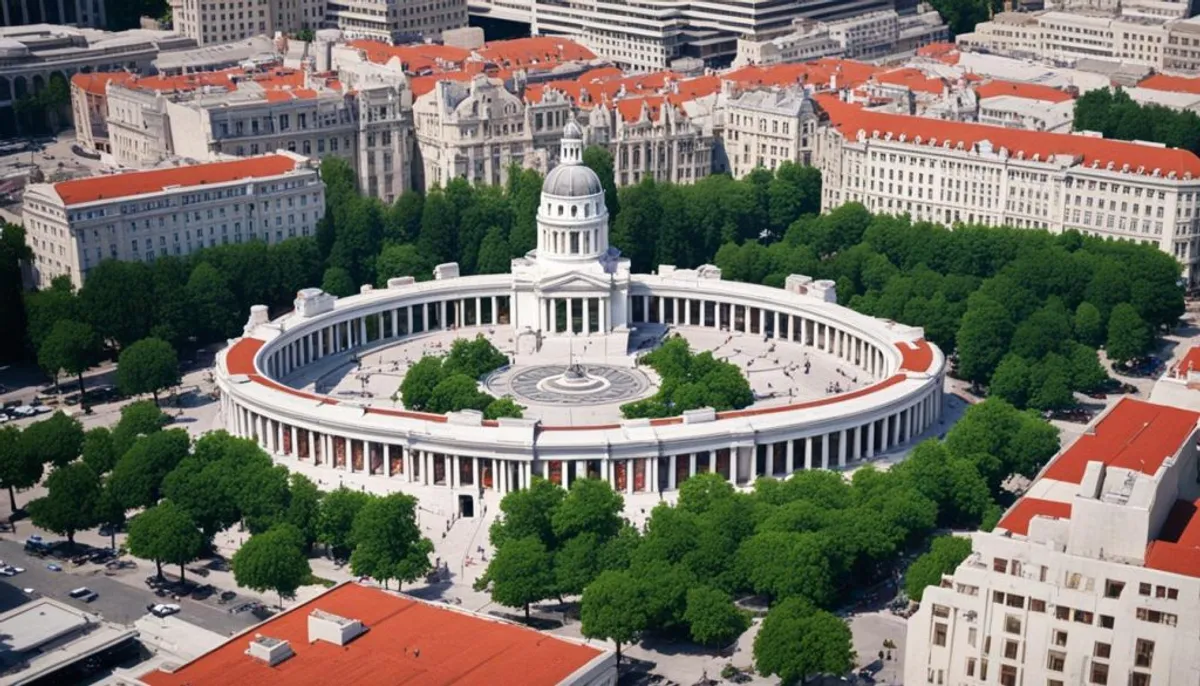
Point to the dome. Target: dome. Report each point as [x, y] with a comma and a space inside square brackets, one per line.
[572, 181]
[572, 131]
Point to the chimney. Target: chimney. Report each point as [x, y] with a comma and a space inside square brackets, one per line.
[331, 628]
[269, 650]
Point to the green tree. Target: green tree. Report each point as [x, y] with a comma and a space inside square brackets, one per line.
[1012, 380]
[591, 506]
[503, 407]
[1089, 327]
[165, 533]
[70, 347]
[148, 366]
[214, 308]
[576, 564]
[1087, 374]
[943, 557]
[73, 492]
[401, 260]
[1051, 384]
[117, 301]
[141, 417]
[19, 468]
[614, 608]
[474, 358]
[419, 382]
[794, 191]
[387, 541]
[712, 617]
[48, 307]
[797, 642]
[199, 487]
[438, 239]
[457, 392]
[784, 565]
[520, 573]
[57, 440]
[402, 222]
[98, 450]
[335, 523]
[1128, 335]
[337, 281]
[528, 512]
[13, 253]
[138, 477]
[110, 513]
[982, 339]
[304, 508]
[700, 493]
[599, 159]
[272, 561]
[495, 253]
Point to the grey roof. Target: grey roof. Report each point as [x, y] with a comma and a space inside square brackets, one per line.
[572, 181]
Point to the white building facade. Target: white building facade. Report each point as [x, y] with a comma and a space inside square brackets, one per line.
[574, 289]
[1093, 577]
[395, 21]
[74, 225]
[952, 172]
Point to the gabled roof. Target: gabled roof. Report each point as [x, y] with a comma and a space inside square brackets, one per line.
[131, 184]
[850, 118]
[1028, 91]
[96, 83]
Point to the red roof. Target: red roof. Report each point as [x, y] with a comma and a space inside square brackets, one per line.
[850, 118]
[407, 642]
[130, 184]
[1174, 84]
[1029, 91]
[1177, 548]
[1134, 435]
[913, 79]
[1189, 363]
[916, 356]
[535, 51]
[1018, 516]
[96, 83]
[819, 73]
[943, 52]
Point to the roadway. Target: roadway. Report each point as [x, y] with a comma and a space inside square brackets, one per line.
[120, 601]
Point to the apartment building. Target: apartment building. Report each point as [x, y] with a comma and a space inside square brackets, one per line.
[68, 12]
[73, 225]
[1064, 37]
[652, 137]
[866, 36]
[208, 116]
[649, 36]
[950, 172]
[210, 21]
[768, 126]
[1091, 578]
[395, 21]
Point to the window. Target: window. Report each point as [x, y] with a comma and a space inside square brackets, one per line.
[1017, 601]
[1062, 612]
[1011, 650]
[1037, 605]
[1055, 661]
[1139, 679]
[939, 634]
[1143, 589]
[1156, 617]
[1084, 617]
[1008, 675]
[1106, 621]
[1000, 564]
[1060, 638]
[1012, 624]
[1099, 673]
[1112, 589]
[1143, 654]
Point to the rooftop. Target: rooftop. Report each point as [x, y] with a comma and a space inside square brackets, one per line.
[1177, 547]
[1018, 516]
[407, 642]
[1028, 91]
[850, 118]
[1134, 435]
[132, 184]
[1174, 84]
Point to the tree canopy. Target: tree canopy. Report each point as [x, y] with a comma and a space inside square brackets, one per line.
[797, 642]
[165, 533]
[272, 561]
[148, 366]
[943, 557]
[387, 541]
[689, 382]
[70, 503]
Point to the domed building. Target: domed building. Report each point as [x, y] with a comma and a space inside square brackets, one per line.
[574, 283]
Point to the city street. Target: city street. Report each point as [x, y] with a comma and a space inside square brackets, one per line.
[118, 602]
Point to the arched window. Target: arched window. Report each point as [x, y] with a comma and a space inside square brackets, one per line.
[574, 243]
[560, 210]
[587, 210]
[574, 210]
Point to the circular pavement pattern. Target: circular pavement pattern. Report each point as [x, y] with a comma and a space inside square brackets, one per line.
[536, 385]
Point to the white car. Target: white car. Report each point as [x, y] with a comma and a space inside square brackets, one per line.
[163, 609]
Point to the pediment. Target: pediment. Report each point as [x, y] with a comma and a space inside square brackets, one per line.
[575, 281]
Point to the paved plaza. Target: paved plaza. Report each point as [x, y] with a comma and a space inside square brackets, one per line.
[779, 372]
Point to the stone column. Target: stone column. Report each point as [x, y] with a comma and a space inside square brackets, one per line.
[629, 472]
[495, 311]
[362, 331]
[769, 466]
[842, 448]
[672, 467]
[442, 314]
[587, 313]
[871, 439]
[825, 451]
[808, 452]
[407, 459]
[527, 475]
[762, 321]
[775, 334]
[733, 461]
[895, 419]
[692, 465]
[395, 323]
[789, 458]
[295, 451]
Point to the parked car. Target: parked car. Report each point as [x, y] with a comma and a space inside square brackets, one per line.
[203, 592]
[227, 596]
[54, 567]
[162, 609]
[85, 594]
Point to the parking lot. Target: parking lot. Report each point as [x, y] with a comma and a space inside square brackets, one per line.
[120, 598]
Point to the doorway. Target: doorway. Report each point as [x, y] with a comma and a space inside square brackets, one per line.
[466, 506]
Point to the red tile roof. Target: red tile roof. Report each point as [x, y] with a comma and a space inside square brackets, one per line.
[1177, 548]
[96, 83]
[1029, 91]
[537, 51]
[1018, 516]
[916, 356]
[850, 118]
[1134, 435]
[1174, 84]
[1189, 363]
[131, 184]
[415, 58]
[406, 642]
[943, 52]
[913, 79]
[818, 73]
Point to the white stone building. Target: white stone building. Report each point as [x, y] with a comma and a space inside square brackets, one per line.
[950, 172]
[866, 36]
[395, 21]
[765, 127]
[1091, 578]
[73, 225]
[1064, 38]
[238, 20]
[652, 137]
